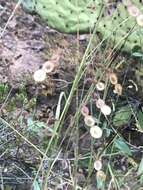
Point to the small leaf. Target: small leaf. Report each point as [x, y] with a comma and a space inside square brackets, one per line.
[36, 186]
[36, 126]
[140, 120]
[122, 116]
[137, 54]
[140, 169]
[141, 179]
[30, 122]
[100, 184]
[122, 146]
[100, 179]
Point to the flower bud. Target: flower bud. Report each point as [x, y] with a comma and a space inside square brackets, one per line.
[84, 111]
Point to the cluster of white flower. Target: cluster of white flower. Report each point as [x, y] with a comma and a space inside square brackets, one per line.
[105, 109]
[40, 74]
[89, 120]
[95, 131]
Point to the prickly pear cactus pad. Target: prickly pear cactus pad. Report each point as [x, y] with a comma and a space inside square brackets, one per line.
[119, 21]
[65, 15]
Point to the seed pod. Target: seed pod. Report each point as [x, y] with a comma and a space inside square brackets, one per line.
[39, 75]
[113, 78]
[89, 120]
[96, 132]
[118, 89]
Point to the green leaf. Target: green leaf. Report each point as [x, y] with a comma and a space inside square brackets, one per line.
[137, 54]
[36, 126]
[3, 88]
[140, 169]
[122, 146]
[122, 116]
[100, 184]
[36, 186]
[140, 120]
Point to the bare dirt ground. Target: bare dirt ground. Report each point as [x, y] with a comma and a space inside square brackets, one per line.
[24, 46]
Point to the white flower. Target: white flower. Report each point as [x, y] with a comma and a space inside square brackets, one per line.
[139, 20]
[96, 132]
[89, 120]
[100, 103]
[100, 86]
[39, 75]
[97, 165]
[48, 66]
[106, 110]
[133, 10]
